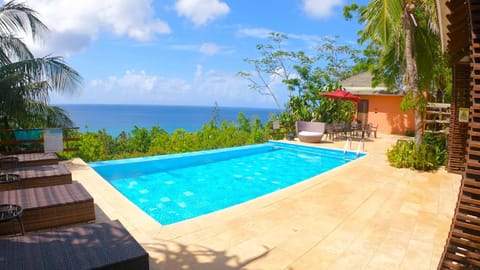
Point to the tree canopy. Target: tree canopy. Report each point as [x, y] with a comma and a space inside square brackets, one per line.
[405, 35]
[305, 76]
[26, 81]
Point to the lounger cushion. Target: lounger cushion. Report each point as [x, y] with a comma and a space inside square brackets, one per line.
[37, 157]
[39, 176]
[28, 160]
[39, 171]
[91, 246]
[309, 133]
[48, 207]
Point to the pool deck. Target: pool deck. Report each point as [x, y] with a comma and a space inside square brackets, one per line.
[363, 215]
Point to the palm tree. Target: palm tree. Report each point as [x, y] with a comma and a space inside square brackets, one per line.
[406, 32]
[25, 81]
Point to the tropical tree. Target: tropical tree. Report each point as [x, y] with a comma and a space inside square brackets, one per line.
[275, 65]
[305, 76]
[406, 33]
[26, 81]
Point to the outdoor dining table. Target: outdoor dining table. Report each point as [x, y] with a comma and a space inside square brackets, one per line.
[355, 128]
[347, 130]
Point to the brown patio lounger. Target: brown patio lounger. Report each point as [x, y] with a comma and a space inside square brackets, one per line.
[92, 246]
[38, 176]
[27, 160]
[48, 207]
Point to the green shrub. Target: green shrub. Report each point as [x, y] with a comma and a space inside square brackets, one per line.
[95, 146]
[429, 155]
[439, 143]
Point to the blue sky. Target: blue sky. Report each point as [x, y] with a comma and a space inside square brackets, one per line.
[179, 52]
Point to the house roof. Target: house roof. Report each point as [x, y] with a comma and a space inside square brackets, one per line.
[453, 26]
[361, 84]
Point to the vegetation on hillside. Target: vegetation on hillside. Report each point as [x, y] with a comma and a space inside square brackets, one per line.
[95, 146]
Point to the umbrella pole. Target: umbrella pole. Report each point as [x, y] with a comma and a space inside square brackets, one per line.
[338, 110]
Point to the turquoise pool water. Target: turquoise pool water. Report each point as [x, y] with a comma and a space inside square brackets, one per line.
[172, 188]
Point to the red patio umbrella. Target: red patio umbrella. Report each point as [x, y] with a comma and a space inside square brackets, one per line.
[341, 94]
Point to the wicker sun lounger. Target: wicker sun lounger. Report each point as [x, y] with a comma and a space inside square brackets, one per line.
[38, 176]
[27, 160]
[310, 132]
[91, 246]
[48, 207]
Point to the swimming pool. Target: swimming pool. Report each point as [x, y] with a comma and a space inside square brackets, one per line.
[172, 188]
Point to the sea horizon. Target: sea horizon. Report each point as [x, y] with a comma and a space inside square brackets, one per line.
[163, 105]
[115, 118]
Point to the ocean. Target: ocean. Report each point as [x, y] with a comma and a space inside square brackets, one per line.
[117, 118]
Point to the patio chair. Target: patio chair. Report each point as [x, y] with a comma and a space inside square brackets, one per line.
[330, 131]
[48, 207]
[347, 129]
[371, 129]
[27, 160]
[355, 127]
[38, 176]
[92, 246]
[339, 129]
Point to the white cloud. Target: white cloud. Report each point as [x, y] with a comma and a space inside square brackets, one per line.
[227, 89]
[255, 32]
[301, 42]
[138, 87]
[319, 9]
[200, 12]
[74, 24]
[185, 47]
[294, 42]
[209, 48]
[264, 33]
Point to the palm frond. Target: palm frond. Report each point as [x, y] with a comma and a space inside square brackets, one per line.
[13, 49]
[426, 46]
[25, 81]
[16, 17]
[51, 70]
[40, 114]
[381, 18]
[429, 8]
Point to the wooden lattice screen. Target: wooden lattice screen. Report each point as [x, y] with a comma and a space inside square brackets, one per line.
[462, 249]
[457, 137]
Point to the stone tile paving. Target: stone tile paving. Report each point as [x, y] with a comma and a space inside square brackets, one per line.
[364, 215]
